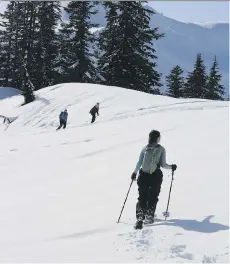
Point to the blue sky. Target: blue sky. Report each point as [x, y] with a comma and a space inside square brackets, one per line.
[193, 11]
[186, 11]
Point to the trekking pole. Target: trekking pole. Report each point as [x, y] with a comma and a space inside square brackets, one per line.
[166, 214]
[125, 202]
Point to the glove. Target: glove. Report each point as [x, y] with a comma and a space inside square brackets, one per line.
[174, 167]
[134, 175]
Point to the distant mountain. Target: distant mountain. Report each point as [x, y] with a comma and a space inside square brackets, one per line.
[183, 41]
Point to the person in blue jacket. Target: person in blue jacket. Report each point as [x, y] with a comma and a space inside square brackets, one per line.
[63, 119]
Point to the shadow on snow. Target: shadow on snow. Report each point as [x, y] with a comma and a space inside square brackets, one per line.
[204, 226]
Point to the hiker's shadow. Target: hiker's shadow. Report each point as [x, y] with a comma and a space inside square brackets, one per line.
[204, 226]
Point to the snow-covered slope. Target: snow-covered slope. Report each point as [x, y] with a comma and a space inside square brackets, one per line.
[6, 92]
[61, 192]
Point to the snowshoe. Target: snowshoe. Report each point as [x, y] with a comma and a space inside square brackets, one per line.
[139, 224]
[149, 220]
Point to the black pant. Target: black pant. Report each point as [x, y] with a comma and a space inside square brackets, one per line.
[93, 118]
[149, 187]
[62, 123]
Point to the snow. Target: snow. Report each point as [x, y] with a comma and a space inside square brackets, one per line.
[6, 92]
[96, 29]
[211, 25]
[61, 192]
[181, 43]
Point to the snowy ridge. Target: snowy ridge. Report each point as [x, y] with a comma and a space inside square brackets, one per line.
[61, 192]
[211, 25]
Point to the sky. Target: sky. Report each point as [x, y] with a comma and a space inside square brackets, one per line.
[186, 11]
[193, 11]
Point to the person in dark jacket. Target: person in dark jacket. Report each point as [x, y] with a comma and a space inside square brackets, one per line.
[150, 178]
[94, 111]
[63, 119]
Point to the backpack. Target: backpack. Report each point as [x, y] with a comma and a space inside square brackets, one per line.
[151, 159]
[63, 116]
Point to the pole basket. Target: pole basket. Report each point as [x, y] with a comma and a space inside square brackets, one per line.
[166, 214]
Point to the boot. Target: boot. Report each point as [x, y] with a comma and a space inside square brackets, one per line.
[149, 220]
[150, 216]
[139, 224]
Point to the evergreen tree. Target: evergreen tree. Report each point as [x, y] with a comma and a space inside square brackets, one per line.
[7, 45]
[195, 86]
[77, 58]
[46, 48]
[128, 56]
[16, 47]
[215, 91]
[108, 43]
[26, 25]
[175, 82]
[29, 47]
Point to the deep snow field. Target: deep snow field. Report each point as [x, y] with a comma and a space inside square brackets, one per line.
[61, 192]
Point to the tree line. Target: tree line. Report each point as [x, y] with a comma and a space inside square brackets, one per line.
[197, 84]
[38, 49]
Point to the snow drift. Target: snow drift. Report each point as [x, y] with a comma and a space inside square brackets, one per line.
[61, 192]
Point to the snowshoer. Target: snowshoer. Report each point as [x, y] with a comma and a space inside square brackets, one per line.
[63, 119]
[94, 111]
[149, 181]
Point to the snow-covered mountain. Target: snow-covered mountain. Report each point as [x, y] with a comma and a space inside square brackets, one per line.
[61, 192]
[183, 41]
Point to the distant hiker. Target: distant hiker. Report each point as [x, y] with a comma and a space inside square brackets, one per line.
[149, 181]
[94, 111]
[63, 119]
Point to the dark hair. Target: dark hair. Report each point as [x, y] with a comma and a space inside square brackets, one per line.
[153, 136]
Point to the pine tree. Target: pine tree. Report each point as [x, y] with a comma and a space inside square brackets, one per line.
[29, 47]
[215, 91]
[108, 43]
[175, 82]
[128, 58]
[77, 58]
[46, 49]
[27, 33]
[7, 39]
[16, 47]
[195, 86]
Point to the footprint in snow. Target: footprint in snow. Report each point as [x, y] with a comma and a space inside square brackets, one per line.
[178, 234]
[87, 140]
[207, 259]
